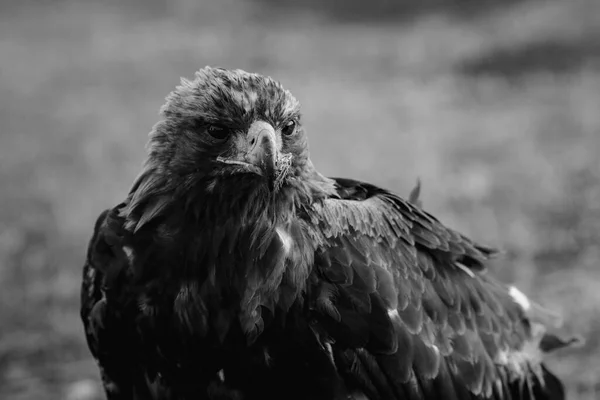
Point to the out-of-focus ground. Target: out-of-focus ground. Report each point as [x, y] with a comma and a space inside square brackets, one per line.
[495, 105]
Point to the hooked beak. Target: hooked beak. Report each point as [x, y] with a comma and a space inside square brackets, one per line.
[262, 148]
[263, 155]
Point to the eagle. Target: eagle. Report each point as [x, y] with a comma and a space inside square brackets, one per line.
[233, 269]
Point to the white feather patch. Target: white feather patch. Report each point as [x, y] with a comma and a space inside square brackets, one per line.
[329, 352]
[285, 238]
[519, 361]
[358, 396]
[519, 298]
[465, 269]
[129, 253]
[91, 274]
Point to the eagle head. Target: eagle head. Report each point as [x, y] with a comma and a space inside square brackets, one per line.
[228, 123]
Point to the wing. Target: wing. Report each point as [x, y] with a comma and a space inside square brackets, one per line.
[406, 309]
[104, 268]
[121, 329]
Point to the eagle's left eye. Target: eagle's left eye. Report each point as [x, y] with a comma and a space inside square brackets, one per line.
[218, 132]
[289, 128]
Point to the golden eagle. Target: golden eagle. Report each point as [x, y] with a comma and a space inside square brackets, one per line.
[235, 270]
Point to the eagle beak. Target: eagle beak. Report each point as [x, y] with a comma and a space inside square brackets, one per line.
[263, 152]
[262, 148]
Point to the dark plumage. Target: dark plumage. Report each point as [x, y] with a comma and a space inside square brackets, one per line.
[235, 270]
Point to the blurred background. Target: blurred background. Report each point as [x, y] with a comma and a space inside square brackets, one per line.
[493, 104]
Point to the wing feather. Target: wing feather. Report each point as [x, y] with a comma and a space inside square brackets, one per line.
[409, 301]
[103, 268]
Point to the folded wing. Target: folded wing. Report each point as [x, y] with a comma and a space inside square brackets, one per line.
[406, 309]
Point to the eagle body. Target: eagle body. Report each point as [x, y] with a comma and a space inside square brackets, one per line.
[235, 270]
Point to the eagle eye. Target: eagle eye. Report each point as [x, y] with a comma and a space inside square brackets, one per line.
[289, 129]
[218, 132]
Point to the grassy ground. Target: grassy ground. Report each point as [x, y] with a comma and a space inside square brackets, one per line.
[496, 112]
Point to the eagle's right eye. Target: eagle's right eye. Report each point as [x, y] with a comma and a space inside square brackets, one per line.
[218, 132]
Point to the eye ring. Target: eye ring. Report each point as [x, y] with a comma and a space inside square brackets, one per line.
[290, 128]
[218, 132]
